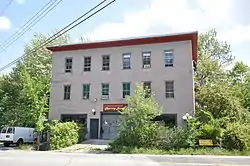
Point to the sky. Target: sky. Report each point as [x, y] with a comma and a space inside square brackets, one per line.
[131, 18]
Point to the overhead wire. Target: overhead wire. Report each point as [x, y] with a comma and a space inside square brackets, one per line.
[7, 6]
[61, 32]
[48, 7]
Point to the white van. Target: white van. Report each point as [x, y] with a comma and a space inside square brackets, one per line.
[16, 135]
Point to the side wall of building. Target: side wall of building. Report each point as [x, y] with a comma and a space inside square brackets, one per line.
[181, 73]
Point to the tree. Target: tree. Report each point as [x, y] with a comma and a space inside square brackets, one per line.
[213, 56]
[219, 91]
[137, 128]
[24, 92]
[240, 75]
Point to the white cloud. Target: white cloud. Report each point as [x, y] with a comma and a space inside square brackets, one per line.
[174, 15]
[236, 34]
[20, 1]
[4, 23]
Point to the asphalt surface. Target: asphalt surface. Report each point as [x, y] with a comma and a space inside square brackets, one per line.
[2, 148]
[30, 158]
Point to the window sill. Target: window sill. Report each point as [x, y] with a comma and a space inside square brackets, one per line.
[170, 98]
[68, 72]
[126, 68]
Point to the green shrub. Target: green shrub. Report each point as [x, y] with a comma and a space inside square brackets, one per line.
[176, 138]
[209, 131]
[64, 135]
[82, 132]
[237, 137]
[137, 128]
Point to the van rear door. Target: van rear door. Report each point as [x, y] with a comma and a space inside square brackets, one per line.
[7, 134]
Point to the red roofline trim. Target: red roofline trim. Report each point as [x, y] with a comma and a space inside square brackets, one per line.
[193, 37]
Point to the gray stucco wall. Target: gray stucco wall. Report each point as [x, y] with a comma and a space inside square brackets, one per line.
[181, 73]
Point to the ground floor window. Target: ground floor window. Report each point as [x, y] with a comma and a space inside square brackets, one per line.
[167, 119]
[79, 118]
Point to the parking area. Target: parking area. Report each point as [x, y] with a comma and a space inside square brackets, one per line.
[2, 148]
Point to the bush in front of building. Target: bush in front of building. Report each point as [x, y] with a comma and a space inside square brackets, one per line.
[82, 132]
[175, 138]
[237, 136]
[64, 134]
[137, 128]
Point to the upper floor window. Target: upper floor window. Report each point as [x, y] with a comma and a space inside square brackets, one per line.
[87, 63]
[146, 60]
[125, 89]
[169, 58]
[67, 90]
[105, 62]
[105, 91]
[169, 89]
[86, 91]
[147, 88]
[126, 58]
[68, 65]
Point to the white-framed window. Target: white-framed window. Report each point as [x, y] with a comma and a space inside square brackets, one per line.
[125, 89]
[86, 91]
[68, 65]
[147, 88]
[105, 91]
[126, 61]
[146, 60]
[106, 62]
[67, 91]
[169, 89]
[169, 58]
[87, 63]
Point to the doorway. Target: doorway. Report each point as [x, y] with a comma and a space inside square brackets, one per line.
[94, 128]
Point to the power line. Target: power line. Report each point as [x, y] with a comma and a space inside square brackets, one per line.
[58, 34]
[30, 23]
[8, 5]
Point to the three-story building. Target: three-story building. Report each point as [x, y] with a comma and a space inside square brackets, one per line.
[90, 80]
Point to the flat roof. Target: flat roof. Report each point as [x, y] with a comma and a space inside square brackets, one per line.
[192, 36]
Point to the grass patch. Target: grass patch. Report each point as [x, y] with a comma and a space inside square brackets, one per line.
[26, 147]
[81, 148]
[189, 151]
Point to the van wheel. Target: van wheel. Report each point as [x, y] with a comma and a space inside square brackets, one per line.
[6, 144]
[19, 142]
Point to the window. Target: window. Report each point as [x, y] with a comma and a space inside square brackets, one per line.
[86, 91]
[105, 62]
[67, 89]
[125, 89]
[169, 58]
[169, 120]
[169, 89]
[68, 65]
[126, 61]
[4, 130]
[105, 91]
[80, 118]
[146, 59]
[87, 64]
[10, 130]
[147, 87]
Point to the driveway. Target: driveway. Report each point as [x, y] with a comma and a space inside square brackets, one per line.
[31, 158]
[2, 148]
[88, 146]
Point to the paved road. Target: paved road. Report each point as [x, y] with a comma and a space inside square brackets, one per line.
[25, 158]
[2, 148]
